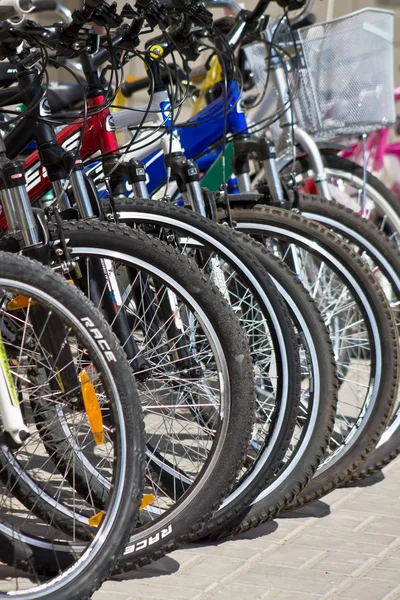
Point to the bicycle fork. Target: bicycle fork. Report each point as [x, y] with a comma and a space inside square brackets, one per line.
[14, 199]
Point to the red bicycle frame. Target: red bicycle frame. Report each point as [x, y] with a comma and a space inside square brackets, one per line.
[97, 137]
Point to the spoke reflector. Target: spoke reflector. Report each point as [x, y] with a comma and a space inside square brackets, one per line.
[146, 500]
[92, 407]
[20, 302]
[95, 520]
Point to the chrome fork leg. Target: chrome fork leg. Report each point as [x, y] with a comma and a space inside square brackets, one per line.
[310, 147]
[15, 201]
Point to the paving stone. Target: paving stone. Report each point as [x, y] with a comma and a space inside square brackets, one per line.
[292, 579]
[239, 592]
[205, 572]
[365, 537]
[283, 595]
[384, 573]
[392, 562]
[340, 562]
[344, 547]
[156, 589]
[368, 589]
[375, 507]
[241, 549]
[327, 543]
[385, 525]
[289, 555]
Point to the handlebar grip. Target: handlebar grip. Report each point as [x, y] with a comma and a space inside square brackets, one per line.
[44, 5]
[143, 3]
[93, 4]
[130, 87]
[310, 19]
[82, 16]
[291, 4]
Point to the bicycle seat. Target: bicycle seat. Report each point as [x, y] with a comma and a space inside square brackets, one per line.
[64, 96]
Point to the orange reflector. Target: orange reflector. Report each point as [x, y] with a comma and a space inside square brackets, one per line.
[20, 302]
[92, 408]
[95, 520]
[146, 500]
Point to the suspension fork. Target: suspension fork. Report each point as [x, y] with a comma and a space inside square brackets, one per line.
[264, 150]
[20, 219]
[21, 216]
[136, 176]
[12, 194]
[97, 284]
[288, 125]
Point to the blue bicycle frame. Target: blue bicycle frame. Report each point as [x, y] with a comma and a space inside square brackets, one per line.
[200, 134]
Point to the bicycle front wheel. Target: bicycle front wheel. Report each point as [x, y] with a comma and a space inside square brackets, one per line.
[362, 330]
[58, 564]
[274, 471]
[194, 374]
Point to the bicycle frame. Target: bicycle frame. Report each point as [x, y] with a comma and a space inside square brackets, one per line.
[100, 136]
[199, 138]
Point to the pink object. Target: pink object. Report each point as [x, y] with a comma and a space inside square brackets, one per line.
[376, 147]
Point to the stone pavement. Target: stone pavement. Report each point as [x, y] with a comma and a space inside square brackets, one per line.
[344, 547]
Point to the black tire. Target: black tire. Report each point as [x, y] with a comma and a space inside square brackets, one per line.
[225, 459]
[292, 228]
[386, 212]
[290, 477]
[294, 475]
[386, 257]
[34, 552]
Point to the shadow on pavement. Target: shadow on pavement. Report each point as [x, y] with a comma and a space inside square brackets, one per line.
[259, 531]
[368, 481]
[316, 509]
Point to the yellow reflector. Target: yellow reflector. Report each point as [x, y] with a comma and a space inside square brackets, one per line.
[95, 520]
[20, 302]
[146, 500]
[92, 408]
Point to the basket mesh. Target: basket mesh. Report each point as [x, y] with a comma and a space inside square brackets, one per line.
[345, 77]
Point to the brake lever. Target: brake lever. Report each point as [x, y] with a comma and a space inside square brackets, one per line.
[107, 16]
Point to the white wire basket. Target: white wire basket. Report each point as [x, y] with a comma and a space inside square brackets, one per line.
[345, 79]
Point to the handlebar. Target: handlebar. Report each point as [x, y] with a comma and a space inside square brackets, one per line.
[43, 5]
[130, 87]
[54, 6]
[82, 16]
[10, 9]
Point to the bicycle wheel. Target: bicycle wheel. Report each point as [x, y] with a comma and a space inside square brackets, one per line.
[58, 565]
[346, 184]
[383, 258]
[194, 376]
[235, 254]
[362, 331]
